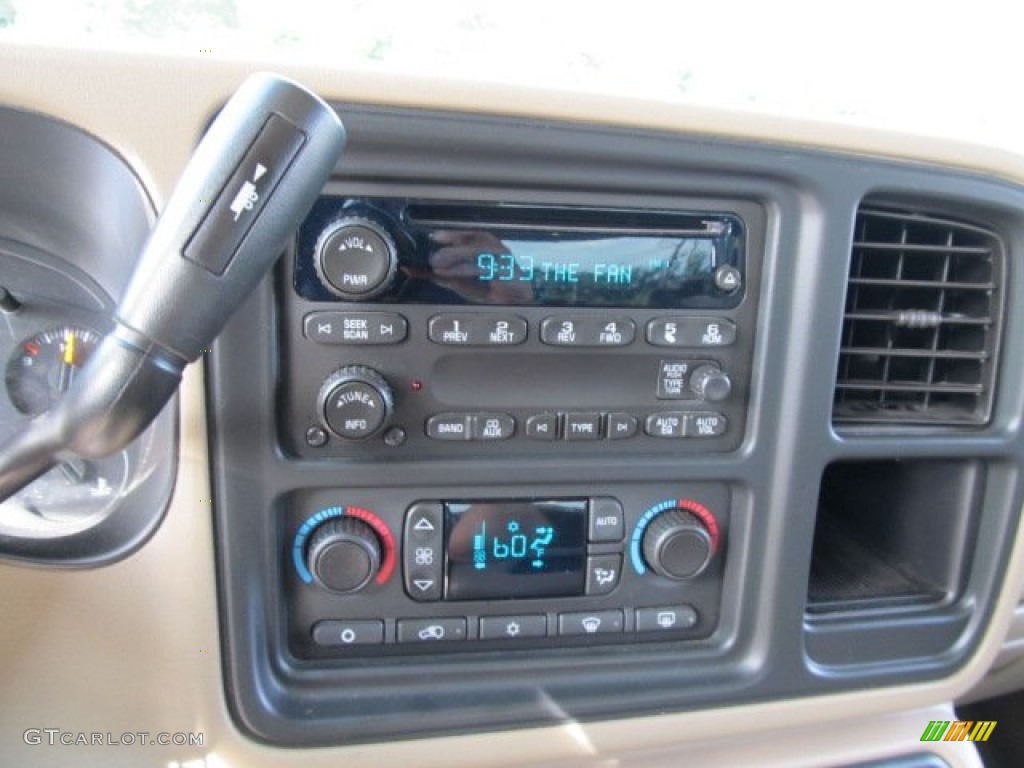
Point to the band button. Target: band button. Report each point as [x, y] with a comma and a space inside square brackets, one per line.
[449, 426]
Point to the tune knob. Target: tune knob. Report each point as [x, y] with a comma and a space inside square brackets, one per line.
[355, 402]
[355, 258]
[710, 383]
[344, 554]
[677, 544]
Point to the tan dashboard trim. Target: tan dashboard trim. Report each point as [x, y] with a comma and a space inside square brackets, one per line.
[135, 647]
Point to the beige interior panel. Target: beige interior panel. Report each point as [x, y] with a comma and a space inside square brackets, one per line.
[135, 647]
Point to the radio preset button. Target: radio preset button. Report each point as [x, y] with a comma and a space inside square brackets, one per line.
[492, 426]
[430, 630]
[449, 426]
[621, 425]
[512, 627]
[590, 623]
[582, 426]
[348, 632]
[668, 424]
[578, 331]
[666, 619]
[542, 426]
[603, 573]
[606, 520]
[705, 425]
[474, 330]
[691, 332]
[355, 327]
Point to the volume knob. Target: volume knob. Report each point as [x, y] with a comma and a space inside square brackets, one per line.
[344, 554]
[355, 402]
[355, 258]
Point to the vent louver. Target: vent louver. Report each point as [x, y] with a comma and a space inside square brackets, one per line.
[922, 321]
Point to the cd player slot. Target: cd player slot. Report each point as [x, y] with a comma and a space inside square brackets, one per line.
[545, 219]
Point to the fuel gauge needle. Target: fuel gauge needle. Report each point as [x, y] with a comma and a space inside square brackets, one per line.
[67, 367]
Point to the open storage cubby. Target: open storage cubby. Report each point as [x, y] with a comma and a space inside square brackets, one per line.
[893, 533]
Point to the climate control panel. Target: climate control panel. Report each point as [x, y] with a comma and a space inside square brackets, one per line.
[450, 574]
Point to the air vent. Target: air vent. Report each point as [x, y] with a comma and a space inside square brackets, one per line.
[922, 321]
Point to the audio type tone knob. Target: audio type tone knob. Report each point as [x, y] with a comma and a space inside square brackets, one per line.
[710, 383]
[355, 402]
[355, 258]
[344, 554]
[677, 545]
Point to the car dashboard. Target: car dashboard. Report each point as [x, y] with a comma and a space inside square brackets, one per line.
[564, 431]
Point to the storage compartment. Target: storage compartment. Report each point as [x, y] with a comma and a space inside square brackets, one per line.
[893, 533]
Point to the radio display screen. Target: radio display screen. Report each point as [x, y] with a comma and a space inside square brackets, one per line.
[515, 549]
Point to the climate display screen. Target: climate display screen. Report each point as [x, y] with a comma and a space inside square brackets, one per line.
[514, 549]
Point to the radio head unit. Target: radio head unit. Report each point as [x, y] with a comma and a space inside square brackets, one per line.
[420, 329]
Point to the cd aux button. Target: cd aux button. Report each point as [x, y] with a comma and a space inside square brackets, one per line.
[492, 426]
